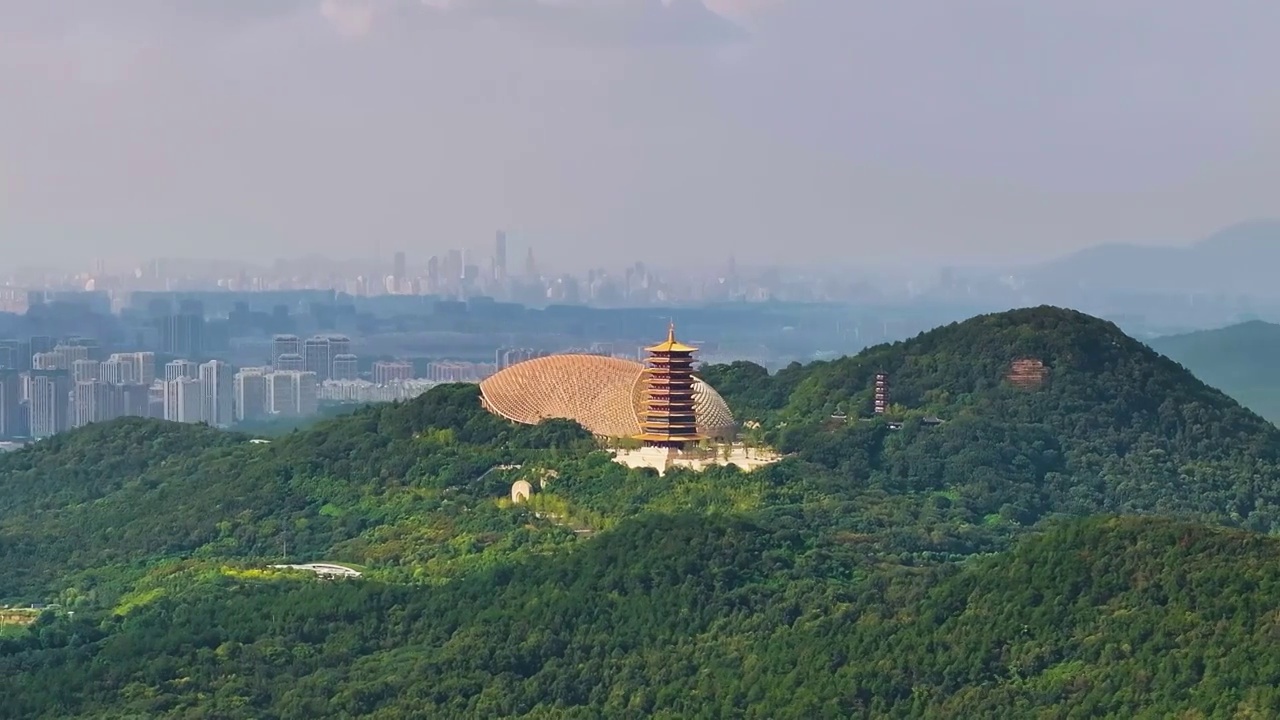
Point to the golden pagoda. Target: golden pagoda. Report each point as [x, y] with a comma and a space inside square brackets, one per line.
[668, 418]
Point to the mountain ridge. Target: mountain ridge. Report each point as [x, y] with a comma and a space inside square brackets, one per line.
[1079, 533]
[1240, 252]
[1239, 359]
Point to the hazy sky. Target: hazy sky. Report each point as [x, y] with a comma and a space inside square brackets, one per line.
[778, 130]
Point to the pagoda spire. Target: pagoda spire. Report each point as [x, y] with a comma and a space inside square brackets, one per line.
[669, 417]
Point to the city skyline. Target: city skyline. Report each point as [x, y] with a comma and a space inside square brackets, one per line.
[789, 132]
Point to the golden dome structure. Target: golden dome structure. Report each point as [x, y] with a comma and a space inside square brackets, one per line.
[605, 395]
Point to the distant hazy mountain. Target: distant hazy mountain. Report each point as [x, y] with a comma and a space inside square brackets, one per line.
[1242, 360]
[1239, 260]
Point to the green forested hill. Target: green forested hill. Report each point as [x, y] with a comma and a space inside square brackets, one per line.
[1241, 360]
[1039, 549]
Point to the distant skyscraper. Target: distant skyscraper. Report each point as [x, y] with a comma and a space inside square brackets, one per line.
[292, 394]
[338, 345]
[181, 369]
[399, 272]
[11, 355]
[11, 425]
[530, 267]
[16, 354]
[291, 362]
[251, 393]
[183, 333]
[318, 353]
[87, 403]
[454, 263]
[386, 372]
[182, 400]
[50, 401]
[308, 394]
[284, 345]
[133, 400]
[141, 368]
[67, 355]
[281, 393]
[500, 256]
[117, 371]
[433, 274]
[217, 393]
[41, 344]
[315, 355]
[85, 370]
[345, 367]
[45, 361]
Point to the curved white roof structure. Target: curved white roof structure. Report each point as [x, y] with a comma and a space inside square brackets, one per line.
[602, 394]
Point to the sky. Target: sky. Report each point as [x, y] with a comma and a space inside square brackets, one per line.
[796, 132]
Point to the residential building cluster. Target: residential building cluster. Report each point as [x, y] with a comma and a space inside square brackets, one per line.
[48, 386]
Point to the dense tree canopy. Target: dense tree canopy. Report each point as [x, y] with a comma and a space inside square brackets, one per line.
[1049, 549]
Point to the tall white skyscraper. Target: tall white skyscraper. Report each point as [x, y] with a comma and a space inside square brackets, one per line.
[217, 393]
[182, 400]
[50, 398]
[284, 345]
[68, 354]
[116, 371]
[290, 362]
[345, 367]
[85, 370]
[293, 394]
[251, 393]
[141, 368]
[181, 369]
[87, 404]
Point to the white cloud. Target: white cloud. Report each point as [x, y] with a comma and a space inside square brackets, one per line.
[591, 21]
[349, 17]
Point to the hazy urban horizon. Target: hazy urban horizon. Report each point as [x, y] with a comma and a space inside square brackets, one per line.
[790, 133]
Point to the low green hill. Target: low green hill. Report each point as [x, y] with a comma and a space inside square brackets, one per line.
[928, 563]
[678, 617]
[1240, 360]
[1110, 426]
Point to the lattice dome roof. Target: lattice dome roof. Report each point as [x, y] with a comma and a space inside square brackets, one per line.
[602, 394]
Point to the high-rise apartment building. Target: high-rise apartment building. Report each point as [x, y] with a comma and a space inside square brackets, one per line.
[251, 393]
[217, 391]
[15, 354]
[290, 362]
[49, 402]
[292, 394]
[184, 332]
[386, 372]
[45, 361]
[116, 371]
[11, 425]
[183, 400]
[315, 354]
[308, 394]
[345, 367]
[181, 369]
[500, 256]
[85, 370]
[318, 353]
[87, 403]
[284, 345]
[399, 272]
[41, 344]
[133, 400]
[433, 274]
[141, 368]
[338, 345]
